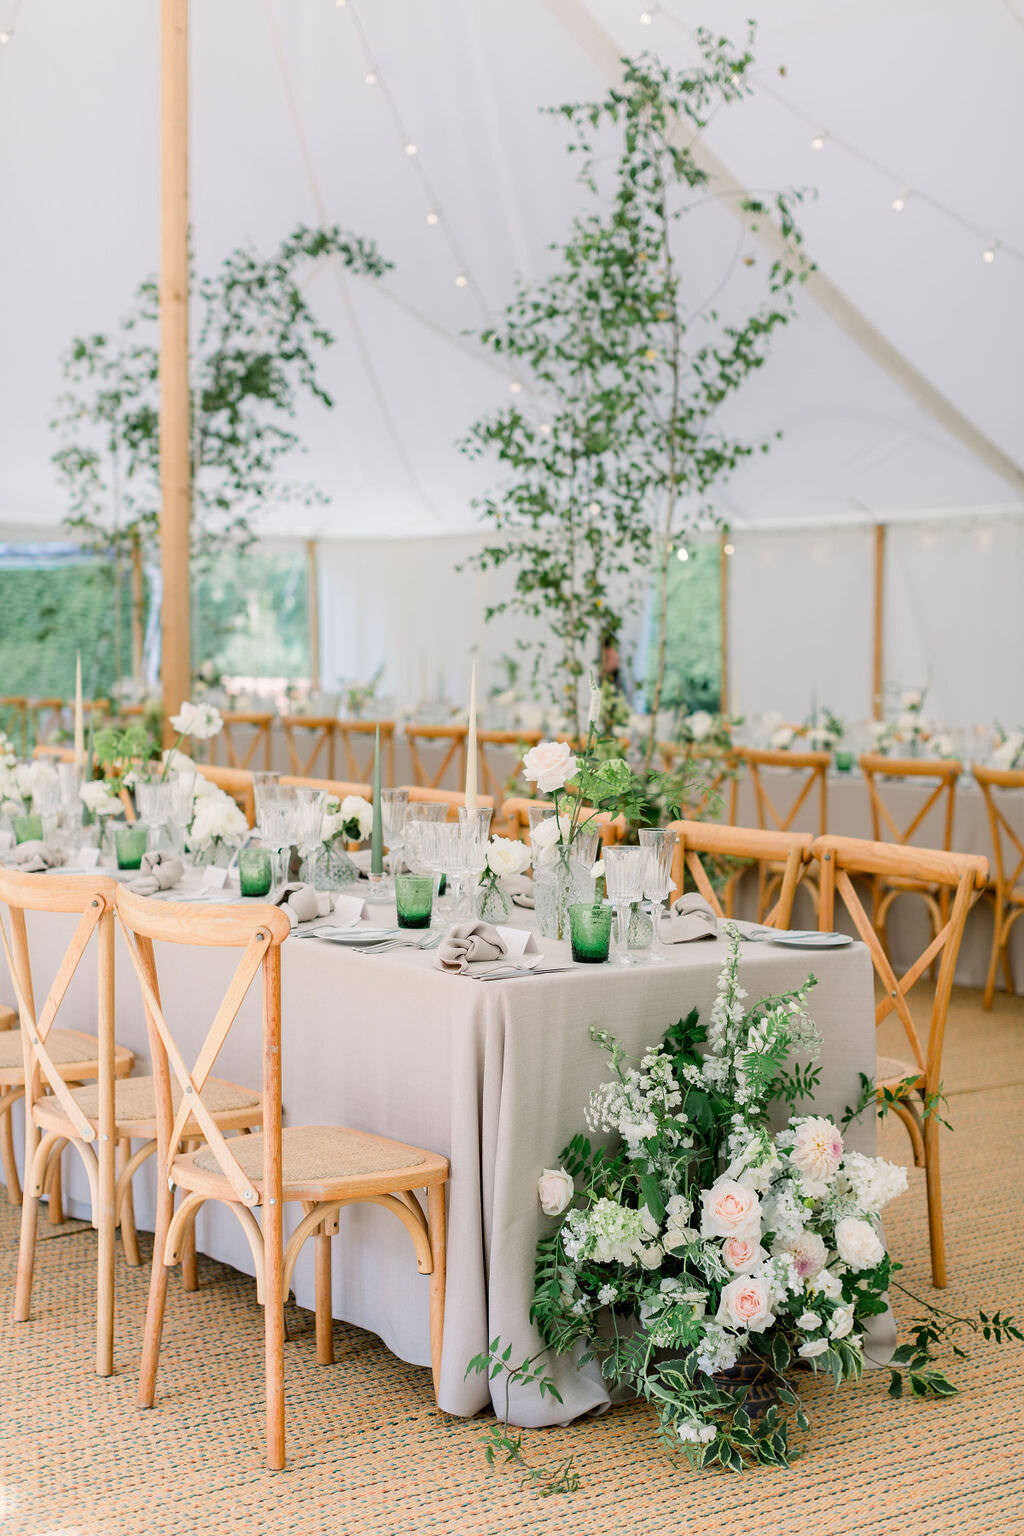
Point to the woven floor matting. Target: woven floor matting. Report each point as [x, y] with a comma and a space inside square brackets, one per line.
[369, 1455]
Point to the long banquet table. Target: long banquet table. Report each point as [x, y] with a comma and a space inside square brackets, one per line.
[494, 1075]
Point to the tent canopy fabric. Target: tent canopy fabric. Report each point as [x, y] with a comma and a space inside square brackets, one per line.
[285, 129]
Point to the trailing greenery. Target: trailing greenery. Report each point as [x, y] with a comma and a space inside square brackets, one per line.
[613, 448]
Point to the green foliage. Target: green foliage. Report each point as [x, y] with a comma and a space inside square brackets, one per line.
[48, 614]
[614, 448]
[500, 1443]
[693, 631]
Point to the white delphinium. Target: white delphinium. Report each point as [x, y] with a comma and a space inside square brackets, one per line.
[718, 1349]
[639, 1104]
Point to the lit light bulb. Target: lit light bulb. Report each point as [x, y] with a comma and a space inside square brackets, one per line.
[989, 253]
[900, 202]
[818, 142]
[371, 77]
[729, 549]
[432, 216]
[341, 4]
[410, 149]
[461, 280]
[682, 554]
[646, 17]
[544, 429]
[594, 508]
[515, 388]
[5, 38]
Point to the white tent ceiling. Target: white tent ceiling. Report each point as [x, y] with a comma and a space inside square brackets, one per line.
[926, 88]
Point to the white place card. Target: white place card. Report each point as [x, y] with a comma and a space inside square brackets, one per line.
[6, 840]
[87, 858]
[520, 941]
[350, 909]
[215, 878]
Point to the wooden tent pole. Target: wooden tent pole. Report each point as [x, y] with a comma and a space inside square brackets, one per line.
[138, 608]
[175, 405]
[313, 612]
[878, 668]
[723, 567]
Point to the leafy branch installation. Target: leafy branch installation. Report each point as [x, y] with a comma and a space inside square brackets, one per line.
[614, 453]
[705, 1259]
[255, 355]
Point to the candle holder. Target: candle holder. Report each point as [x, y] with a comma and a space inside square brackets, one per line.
[254, 871]
[382, 889]
[590, 932]
[130, 845]
[414, 900]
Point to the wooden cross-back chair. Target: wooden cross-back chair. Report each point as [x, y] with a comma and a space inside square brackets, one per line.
[913, 1085]
[14, 718]
[488, 742]
[45, 715]
[52, 1061]
[236, 782]
[515, 819]
[321, 1167]
[44, 751]
[355, 734]
[807, 775]
[436, 736]
[259, 722]
[309, 738]
[1006, 890]
[715, 783]
[791, 850]
[338, 788]
[418, 794]
[886, 829]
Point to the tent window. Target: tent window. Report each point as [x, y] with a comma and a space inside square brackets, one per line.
[693, 670]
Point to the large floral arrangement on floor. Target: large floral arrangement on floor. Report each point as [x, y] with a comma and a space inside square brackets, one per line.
[703, 1239]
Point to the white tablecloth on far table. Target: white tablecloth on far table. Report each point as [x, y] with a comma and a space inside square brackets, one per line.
[493, 1075]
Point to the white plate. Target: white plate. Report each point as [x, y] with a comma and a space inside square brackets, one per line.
[352, 935]
[812, 940]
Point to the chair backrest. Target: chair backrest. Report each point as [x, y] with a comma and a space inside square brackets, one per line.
[323, 729]
[53, 754]
[1007, 844]
[876, 769]
[339, 788]
[809, 769]
[490, 742]
[515, 816]
[357, 739]
[840, 861]
[259, 933]
[236, 782]
[436, 735]
[259, 723]
[455, 797]
[693, 838]
[92, 898]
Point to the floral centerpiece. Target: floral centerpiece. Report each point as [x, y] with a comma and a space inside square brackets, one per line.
[1009, 749]
[704, 1256]
[824, 731]
[506, 857]
[200, 721]
[345, 821]
[708, 731]
[218, 826]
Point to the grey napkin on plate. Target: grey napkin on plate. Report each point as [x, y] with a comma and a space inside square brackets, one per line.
[301, 902]
[690, 917]
[157, 872]
[35, 856]
[520, 888]
[469, 941]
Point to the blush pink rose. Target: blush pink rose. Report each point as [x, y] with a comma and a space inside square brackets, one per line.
[731, 1210]
[550, 765]
[745, 1304]
[740, 1254]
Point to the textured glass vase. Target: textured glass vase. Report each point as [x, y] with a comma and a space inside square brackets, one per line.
[493, 905]
[556, 886]
[330, 868]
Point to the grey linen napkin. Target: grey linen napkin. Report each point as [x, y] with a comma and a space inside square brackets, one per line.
[469, 941]
[690, 917]
[157, 872]
[36, 856]
[301, 902]
[520, 888]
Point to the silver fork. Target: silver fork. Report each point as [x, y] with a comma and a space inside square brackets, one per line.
[430, 941]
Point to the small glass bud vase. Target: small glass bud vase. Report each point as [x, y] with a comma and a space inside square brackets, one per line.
[330, 868]
[493, 905]
[28, 828]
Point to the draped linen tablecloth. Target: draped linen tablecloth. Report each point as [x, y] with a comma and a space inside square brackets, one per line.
[495, 1075]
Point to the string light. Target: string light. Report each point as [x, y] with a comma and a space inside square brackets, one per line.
[432, 216]
[410, 149]
[728, 549]
[5, 38]
[461, 280]
[683, 554]
[371, 77]
[515, 388]
[900, 202]
[989, 253]
[818, 142]
[646, 17]
[544, 429]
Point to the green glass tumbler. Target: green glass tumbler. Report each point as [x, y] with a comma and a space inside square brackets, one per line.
[844, 762]
[28, 828]
[130, 845]
[590, 930]
[414, 899]
[254, 871]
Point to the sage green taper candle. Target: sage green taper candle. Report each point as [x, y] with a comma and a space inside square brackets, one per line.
[377, 835]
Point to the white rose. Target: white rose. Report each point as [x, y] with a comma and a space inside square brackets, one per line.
[1006, 754]
[912, 698]
[744, 1304]
[217, 816]
[730, 1210]
[550, 766]
[507, 856]
[546, 835]
[842, 1322]
[943, 746]
[858, 1243]
[97, 798]
[700, 724]
[782, 739]
[555, 1190]
[826, 1284]
[812, 1348]
[816, 1153]
[356, 808]
[651, 1257]
[199, 720]
[741, 1255]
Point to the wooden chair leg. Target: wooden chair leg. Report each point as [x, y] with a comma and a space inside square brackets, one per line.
[1011, 990]
[933, 1181]
[324, 1317]
[55, 1185]
[106, 1221]
[993, 960]
[10, 1166]
[129, 1237]
[157, 1299]
[273, 1325]
[438, 1247]
[189, 1267]
[26, 1257]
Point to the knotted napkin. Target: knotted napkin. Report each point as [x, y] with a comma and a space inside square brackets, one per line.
[35, 856]
[301, 902]
[520, 888]
[690, 917]
[469, 941]
[157, 872]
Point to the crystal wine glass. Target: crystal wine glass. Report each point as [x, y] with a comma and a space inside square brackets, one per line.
[275, 821]
[625, 870]
[659, 845]
[394, 803]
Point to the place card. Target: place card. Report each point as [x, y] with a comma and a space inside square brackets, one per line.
[519, 941]
[350, 909]
[215, 878]
[6, 840]
[87, 858]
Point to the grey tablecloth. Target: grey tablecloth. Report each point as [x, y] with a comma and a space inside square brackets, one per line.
[493, 1075]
